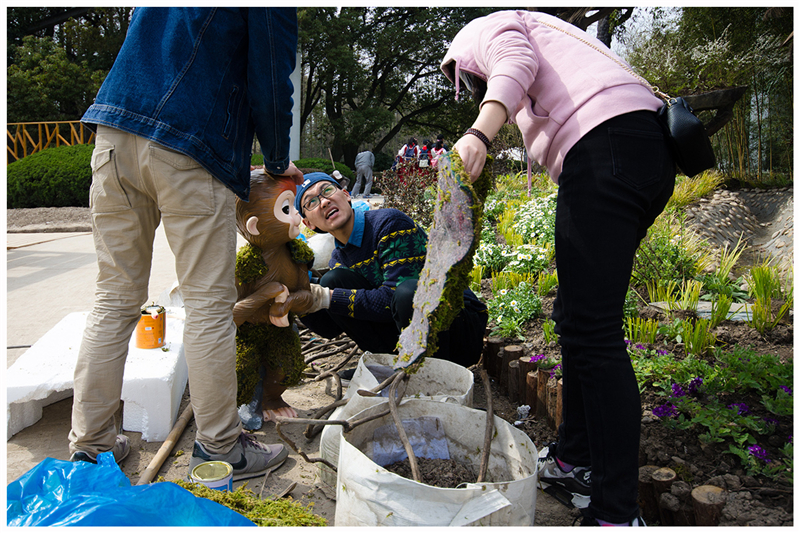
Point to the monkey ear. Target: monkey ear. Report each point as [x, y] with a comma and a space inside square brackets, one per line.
[252, 225]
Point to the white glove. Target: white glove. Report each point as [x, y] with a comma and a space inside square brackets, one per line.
[322, 297]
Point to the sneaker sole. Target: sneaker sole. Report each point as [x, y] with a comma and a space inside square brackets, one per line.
[266, 472]
[564, 496]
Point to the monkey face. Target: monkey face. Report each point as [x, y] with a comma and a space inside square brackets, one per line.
[285, 212]
[269, 218]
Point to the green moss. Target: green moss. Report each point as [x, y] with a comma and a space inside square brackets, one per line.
[275, 347]
[250, 264]
[457, 276]
[283, 513]
[301, 251]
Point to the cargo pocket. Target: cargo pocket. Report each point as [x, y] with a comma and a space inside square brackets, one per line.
[638, 156]
[106, 194]
[184, 187]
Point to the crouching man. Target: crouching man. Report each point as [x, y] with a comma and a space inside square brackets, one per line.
[375, 265]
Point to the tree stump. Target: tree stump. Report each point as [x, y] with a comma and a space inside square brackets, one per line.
[543, 376]
[708, 501]
[684, 515]
[648, 501]
[552, 395]
[663, 478]
[513, 381]
[493, 345]
[510, 353]
[531, 398]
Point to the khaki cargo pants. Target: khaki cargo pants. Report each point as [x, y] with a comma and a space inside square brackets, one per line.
[136, 184]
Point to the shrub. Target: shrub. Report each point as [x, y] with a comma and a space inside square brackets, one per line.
[325, 166]
[55, 177]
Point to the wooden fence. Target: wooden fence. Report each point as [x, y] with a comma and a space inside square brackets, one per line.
[26, 138]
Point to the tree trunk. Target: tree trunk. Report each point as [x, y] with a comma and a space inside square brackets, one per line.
[708, 502]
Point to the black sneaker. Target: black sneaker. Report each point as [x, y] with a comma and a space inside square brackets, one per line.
[577, 482]
[248, 457]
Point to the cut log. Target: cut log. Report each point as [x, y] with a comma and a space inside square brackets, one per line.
[663, 478]
[543, 377]
[510, 353]
[513, 381]
[531, 380]
[493, 346]
[557, 418]
[648, 501]
[552, 395]
[708, 502]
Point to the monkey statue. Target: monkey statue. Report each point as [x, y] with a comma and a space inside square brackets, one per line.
[273, 285]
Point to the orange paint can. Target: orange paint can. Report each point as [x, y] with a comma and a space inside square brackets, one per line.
[152, 328]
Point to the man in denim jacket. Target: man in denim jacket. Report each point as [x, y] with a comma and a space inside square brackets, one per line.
[176, 118]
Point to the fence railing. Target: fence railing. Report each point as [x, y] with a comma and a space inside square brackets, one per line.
[26, 138]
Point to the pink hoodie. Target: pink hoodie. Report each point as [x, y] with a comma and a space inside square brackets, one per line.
[553, 86]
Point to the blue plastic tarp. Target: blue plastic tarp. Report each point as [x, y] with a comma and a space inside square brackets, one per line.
[63, 493]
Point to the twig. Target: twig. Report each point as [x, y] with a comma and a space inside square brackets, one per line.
[401, 432]
[329, 352]
[332, 374]
[294, 447]
[285, 491]
[487, 437]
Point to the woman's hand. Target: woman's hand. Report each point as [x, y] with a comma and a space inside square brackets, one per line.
[473, 154]
[470, 148]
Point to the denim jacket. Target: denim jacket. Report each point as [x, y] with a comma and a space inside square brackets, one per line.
[202, 81]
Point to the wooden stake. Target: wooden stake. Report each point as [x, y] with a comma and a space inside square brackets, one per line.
[557, 417]
[552, 394]
[180, 424]
[662, 482]
[541, 393]
[510, 353]
[493, 346]
[531, 380]
[708, 501]
[513, 381]
[648, 502]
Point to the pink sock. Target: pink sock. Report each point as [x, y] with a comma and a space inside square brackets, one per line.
[564, 466]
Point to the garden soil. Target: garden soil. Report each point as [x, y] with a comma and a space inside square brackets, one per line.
[752, 501]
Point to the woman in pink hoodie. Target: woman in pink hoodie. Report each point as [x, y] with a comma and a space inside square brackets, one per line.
[592, 123]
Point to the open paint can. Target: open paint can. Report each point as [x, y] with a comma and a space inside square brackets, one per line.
[152, 327]
[217, 475]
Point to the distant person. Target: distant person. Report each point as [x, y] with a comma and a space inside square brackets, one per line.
[425, 154]
[368, 292]
[593, 125]
[176, 117]
[440, 138]
[364, 162]
[410, 150]
[437, 152]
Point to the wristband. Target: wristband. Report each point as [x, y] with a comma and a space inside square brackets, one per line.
[480, 135]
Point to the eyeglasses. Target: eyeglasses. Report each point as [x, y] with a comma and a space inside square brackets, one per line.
[326, 192]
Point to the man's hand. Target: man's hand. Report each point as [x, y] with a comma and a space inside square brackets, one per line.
[322, 297]
[293, 172]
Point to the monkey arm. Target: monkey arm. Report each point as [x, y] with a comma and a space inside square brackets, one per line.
[248, 305]
[299, 302]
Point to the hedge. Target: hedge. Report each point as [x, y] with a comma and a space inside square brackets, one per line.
[56, 177]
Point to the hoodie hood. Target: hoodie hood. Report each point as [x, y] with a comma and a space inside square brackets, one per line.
[461, 57]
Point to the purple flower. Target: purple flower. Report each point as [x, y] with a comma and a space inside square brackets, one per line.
[677, 391]
[536, 358]
[771, 421]
[787, 390]
[662, 352]
[640, 347]
[758, 452]
[665, 410]
[694, 385]
[743, 410]
[628, 342]
[553, 371]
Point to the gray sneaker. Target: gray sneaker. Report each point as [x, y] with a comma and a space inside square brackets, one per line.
[121, 449]
[577, 483]
[248, 457]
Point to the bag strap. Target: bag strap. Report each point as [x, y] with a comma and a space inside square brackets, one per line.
[625, 66]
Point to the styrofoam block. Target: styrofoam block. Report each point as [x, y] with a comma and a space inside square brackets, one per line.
[153, 383]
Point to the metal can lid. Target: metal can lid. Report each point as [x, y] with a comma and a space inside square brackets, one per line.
[211, 471]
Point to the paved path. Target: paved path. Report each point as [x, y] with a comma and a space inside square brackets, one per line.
[50, 275]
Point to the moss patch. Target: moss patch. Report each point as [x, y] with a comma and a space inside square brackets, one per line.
[275, 347]
[250, 264]
[282, 513]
